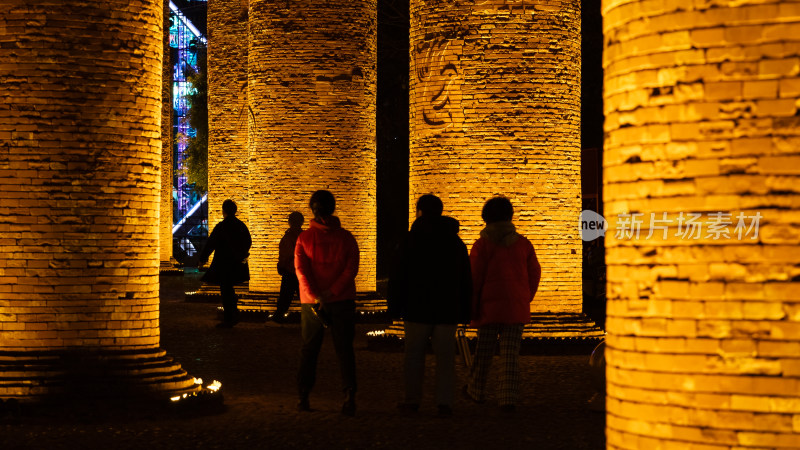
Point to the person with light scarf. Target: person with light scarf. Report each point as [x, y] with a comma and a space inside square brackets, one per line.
[505, 277]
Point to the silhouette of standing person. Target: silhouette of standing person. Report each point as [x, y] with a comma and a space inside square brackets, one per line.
[289, 283]
[230, 241]
[505, 274]
[326, 261]
[430, 288]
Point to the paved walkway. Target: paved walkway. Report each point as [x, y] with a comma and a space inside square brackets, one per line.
[256, 365]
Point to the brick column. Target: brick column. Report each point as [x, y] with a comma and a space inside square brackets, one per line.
[495, 109]
[165, 212]
[311, 96]
[227, 108]
[702, 126]
[80, 109]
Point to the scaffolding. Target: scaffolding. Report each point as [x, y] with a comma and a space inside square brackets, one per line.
[190, 212]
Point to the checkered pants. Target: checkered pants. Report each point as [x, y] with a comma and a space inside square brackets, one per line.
[510, 339]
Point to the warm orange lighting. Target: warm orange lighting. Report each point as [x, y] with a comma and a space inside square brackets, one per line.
[80, 198]
[495, 109]
[165, 205]
[701, 121]
[307, 119]
[227, 109]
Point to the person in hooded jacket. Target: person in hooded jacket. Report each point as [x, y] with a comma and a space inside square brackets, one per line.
[230, 241]
[326, 260]
[430, 288]
[505, 275]
[289, 283]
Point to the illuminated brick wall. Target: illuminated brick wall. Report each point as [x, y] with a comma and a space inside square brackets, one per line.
[495, 109]
[80, 109]
[227, 108]
[165, 212]
[311, 93]
[80, 178]
[702, 119]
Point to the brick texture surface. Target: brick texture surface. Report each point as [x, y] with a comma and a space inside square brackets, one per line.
[165, 210]
[80, 107]
[495, 109]
[311, 85]
[701, 118]
[227, 108]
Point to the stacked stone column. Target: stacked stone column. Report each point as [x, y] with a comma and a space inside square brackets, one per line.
[227, 108]
[495, 109]
[702, 120]
[80, 139]
[165, 212]
[311, 97]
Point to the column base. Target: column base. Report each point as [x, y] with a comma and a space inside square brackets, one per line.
[56, 376]
[170, 267]
[556, 333]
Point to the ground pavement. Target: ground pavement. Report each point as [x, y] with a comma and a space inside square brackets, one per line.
[257, 363]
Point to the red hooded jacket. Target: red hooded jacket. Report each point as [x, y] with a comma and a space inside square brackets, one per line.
[326, 258]
[505, 276]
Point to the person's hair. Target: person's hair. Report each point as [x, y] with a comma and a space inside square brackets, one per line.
[229, 207]
[497, 209]
[322, 203]
[430, 205]
[296, 219]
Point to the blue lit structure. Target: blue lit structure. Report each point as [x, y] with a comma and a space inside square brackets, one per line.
[190, 213]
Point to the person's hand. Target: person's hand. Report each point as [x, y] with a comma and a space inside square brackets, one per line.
[324, 296]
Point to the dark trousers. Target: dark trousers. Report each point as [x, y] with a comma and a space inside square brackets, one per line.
[229, 301]
[342, 325]
[289, 285]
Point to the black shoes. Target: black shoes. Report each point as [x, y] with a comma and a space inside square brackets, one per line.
[413, 408]
[349, 405]
[408, 408]
[508, 408]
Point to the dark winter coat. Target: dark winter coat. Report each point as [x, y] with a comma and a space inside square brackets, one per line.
[430, 280]
[230, 241]
[286, 251]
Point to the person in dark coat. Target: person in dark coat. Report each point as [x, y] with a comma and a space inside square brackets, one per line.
[289, 283]
[230, 241]
[430, 287]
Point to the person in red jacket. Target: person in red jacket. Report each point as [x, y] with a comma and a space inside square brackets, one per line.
[505, 276]
[326, 262]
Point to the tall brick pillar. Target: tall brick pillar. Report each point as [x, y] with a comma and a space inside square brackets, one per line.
[227, 108]
[165, 212]
[80, 139]
[495, 109]
[311, 96]
[702, 150]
